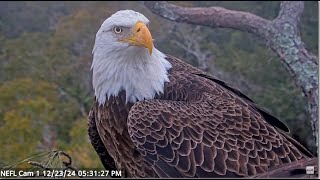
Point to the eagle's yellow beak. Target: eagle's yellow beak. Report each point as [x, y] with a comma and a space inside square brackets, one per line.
[141, 36]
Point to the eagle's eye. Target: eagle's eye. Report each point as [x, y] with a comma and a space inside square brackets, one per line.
[117, 30]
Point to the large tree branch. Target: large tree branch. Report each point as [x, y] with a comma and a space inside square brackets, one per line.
[210, 16]
[281, 35]
[291, 11]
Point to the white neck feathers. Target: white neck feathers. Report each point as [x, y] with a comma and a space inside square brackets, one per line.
[140, 74]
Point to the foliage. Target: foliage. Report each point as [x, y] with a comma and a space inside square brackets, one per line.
[80, 147]
[26, 105]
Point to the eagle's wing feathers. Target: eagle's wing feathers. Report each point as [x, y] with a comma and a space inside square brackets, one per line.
[182, 66]
[269, 117]
[97, 143]
[200, 127]
[206, 139]
[295, 169]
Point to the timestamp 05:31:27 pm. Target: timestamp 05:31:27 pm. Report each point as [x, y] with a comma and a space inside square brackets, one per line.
[61, 173]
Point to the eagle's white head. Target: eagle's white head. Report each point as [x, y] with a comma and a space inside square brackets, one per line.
[124, 58]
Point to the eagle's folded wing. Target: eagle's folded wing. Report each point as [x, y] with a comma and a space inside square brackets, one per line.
[203, 140]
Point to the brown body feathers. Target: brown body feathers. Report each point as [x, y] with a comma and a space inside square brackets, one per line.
[199, 127]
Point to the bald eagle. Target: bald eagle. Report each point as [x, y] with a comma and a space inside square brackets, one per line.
[157, 116]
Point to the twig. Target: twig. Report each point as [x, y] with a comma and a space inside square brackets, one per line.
[67, 164]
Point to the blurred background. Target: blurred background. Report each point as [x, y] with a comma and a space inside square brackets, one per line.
[45, 78]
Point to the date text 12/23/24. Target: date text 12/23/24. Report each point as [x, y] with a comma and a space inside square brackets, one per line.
[61, 173]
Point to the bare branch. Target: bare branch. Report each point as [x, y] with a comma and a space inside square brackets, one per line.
[67, 164]
[191, 42]
[37, 164]
[210, 16]
[291, 11]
